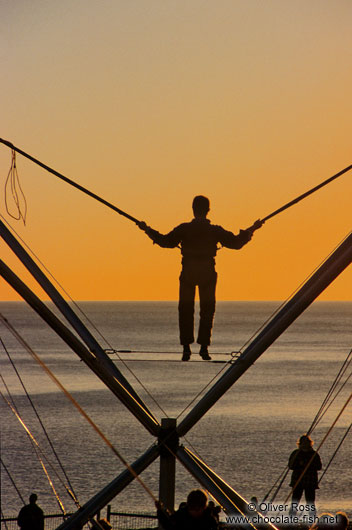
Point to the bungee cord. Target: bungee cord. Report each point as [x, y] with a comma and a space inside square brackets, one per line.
[261, 327]
[96, 197]
[69, 181]
[110, 349]
[307, 193]
[131, 218]
[93, 195]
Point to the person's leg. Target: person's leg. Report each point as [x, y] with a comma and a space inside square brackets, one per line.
[186, 313]
[207, 288]
[309, 493]
[296, 497]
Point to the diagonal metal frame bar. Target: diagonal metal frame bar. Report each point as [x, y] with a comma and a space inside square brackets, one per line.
[238, 501]
[227, 497]
[66, 310]
[222, 492]
[200, 472]
[339, 260]
[80, 349]
[110, 491]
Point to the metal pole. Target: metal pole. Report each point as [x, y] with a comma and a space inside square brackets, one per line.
[214, 489]
[238, 501]
[110, 491]
[228, 498]
[167, 464]
[326, 274]
[67, 311]
[88, 357]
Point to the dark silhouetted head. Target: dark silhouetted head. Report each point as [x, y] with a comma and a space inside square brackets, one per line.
[325, 521]
[201, 206]
[305, 442]
[197, 502]
[341, 521]
[33, 498]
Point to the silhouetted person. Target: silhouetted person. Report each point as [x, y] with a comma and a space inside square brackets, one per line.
[31, 517]
[328, 521]
[305, 463]
[193, 515]
[198, 241]
[342, 521]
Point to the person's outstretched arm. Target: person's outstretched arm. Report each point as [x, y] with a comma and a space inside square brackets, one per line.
[170, 240]
[229, 240]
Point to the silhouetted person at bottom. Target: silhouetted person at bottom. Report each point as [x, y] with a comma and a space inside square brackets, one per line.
[198, 240]
[305, 463]
[328, 521]
[31, 517]
[193, 515]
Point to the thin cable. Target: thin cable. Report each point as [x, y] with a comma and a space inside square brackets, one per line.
[76, 404]
[86, 317]
[3, 519]
[15, 412]
[71, 490]
[38, 450]
[332, 401]
[111, 351]
[70, 397]
[265, 323]
[320, 445]
[318, 417]
[335, 453]
[12, 481]
[330, 392]
[284, 475]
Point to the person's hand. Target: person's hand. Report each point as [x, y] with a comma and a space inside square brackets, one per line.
[142, 225]
[257, 224]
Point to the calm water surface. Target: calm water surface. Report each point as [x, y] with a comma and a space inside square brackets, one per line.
[246, 437]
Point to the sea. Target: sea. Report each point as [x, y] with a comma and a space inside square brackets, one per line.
[246, 437]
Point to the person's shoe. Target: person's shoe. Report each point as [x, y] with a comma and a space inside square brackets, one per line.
[186, 353]
[203, 352]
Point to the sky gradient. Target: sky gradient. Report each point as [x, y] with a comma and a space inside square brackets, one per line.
[148, 103]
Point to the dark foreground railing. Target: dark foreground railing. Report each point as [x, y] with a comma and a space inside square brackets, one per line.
[118, 521]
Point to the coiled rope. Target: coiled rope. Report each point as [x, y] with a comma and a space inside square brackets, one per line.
[13, 185]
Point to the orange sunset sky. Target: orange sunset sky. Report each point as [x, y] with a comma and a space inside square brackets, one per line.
[150, 102]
